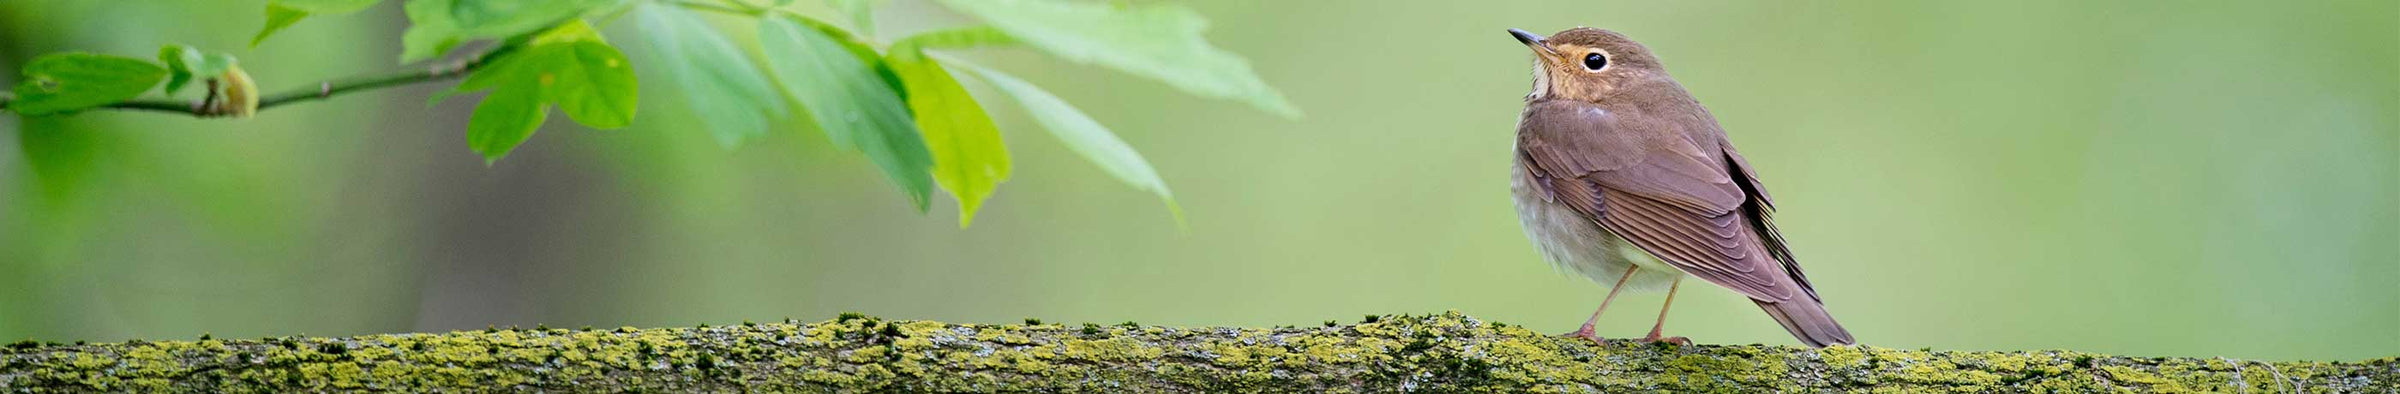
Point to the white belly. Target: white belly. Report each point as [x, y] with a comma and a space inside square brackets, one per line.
[1575, 244]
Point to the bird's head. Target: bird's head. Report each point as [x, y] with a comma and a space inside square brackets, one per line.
[1585, 64]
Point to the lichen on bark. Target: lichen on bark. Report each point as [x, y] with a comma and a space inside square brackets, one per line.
[1446, 352]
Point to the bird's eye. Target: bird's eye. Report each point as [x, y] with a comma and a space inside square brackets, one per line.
[1594, 61]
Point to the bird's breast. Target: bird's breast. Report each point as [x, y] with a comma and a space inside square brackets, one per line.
[1574, 243]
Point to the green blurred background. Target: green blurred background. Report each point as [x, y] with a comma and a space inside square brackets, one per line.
[2152, 178]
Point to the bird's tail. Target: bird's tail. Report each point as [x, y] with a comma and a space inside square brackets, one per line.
[1807, 320]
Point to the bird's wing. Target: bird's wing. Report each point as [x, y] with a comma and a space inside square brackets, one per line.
[1759, 211]
[1668, 190]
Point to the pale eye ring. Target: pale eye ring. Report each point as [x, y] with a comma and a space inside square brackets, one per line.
[1595, 61]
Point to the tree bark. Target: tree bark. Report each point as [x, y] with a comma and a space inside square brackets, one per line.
[1438, 353]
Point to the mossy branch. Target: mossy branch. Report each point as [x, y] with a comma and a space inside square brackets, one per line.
[1440, 353]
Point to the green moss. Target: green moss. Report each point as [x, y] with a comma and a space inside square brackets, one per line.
[1842, 356]
[88, 361]
[2130, 375]
[1441, 352]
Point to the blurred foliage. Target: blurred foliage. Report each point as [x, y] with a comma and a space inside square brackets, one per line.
[2144, 177]
[547, 53]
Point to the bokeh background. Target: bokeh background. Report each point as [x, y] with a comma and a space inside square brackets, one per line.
[2143, 177]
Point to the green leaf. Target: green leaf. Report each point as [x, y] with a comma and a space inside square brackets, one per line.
[1159, 41]
[732, 98]
[574, 31]
[436, 26]
[576, 69]
[178, 73]
[956, 38]
[430, 31]
[209, 64]
[502, 69]
[535, 57]
[591, 82]
[1081, 134]
[500, 18]
[850, 101]
[64, 82]
[861, 12]
[183, 62]
[283, 13]
[513, 110]
[571, 67]
[969, 159]
[325, 6]
[506, 118]
[857, 46]
[278, 17]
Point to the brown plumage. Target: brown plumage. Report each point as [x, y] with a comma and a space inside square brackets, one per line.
[1609, 142]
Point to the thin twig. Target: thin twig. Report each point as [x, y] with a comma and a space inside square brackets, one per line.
[318, 91]
[328, 89]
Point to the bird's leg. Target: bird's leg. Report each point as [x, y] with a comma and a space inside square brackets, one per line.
[1662, 318]
[1586, 331]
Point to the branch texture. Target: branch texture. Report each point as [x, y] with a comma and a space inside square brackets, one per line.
[1439, 353]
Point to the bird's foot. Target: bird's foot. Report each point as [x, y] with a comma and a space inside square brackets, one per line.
[1679, 341]
[1586, 334]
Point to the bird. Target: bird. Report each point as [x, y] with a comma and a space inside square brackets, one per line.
[1621, 175]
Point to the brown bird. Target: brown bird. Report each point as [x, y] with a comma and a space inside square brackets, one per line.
[1622, 176]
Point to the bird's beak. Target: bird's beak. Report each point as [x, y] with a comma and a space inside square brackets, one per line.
[1534, 41]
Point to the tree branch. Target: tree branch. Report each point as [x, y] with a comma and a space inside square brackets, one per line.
[1437, 353]
[328, 89]
[323, 90]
